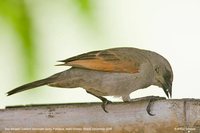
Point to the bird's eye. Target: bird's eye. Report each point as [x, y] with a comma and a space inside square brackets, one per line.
[157, 69]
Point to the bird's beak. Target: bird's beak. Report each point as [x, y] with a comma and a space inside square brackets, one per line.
[167, 88]
[167, 83]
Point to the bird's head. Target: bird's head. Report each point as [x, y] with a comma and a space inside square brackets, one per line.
[163, 74]
[163, 79]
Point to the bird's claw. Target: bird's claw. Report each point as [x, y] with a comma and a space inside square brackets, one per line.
[105, 102]
[152, 99]
[148, 109]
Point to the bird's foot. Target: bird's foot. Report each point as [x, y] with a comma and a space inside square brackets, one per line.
[105, 102]
[152, 99]
[150, 103]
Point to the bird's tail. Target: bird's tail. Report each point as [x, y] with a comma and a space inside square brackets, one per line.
[31, 85]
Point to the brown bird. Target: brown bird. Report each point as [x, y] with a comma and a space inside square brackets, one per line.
[111, 72]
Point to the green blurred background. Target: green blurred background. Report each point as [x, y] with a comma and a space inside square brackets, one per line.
[34, 34]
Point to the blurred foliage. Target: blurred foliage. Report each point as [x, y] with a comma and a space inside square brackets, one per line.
[15, 13]
[86, 10]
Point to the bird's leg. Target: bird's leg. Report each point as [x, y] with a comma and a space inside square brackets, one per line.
[151, 100]
[104, 100]
[126, 98]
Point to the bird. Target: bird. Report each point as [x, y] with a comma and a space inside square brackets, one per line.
[110, 72]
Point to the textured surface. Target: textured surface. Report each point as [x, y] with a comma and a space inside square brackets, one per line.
[170, 116]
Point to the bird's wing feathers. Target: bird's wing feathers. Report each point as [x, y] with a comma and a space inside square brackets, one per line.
[105, 60]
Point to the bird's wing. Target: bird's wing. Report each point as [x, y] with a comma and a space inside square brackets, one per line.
[105, 60]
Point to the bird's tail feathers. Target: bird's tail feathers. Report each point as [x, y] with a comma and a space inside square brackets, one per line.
[31, 85]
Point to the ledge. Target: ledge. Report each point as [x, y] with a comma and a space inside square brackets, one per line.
[171, 116]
